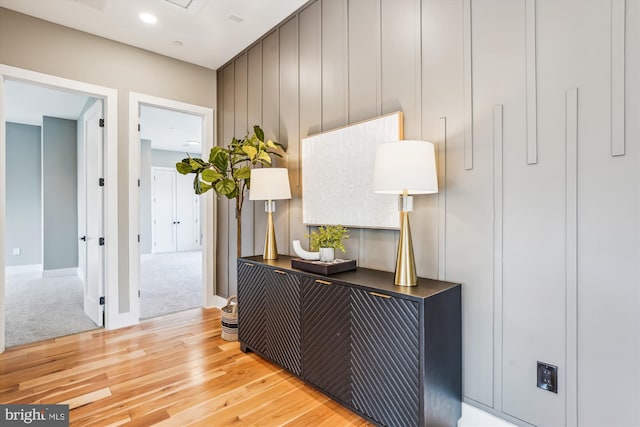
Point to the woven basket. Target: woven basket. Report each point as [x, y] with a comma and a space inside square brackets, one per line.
[230, 319]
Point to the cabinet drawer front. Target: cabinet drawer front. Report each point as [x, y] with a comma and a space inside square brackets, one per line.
[251, 306]
[326, 337]
[283, 319]
[385, 354]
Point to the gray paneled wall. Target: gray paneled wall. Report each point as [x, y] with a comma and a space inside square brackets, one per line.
[24, 195]
[60, 193]
[534, 108]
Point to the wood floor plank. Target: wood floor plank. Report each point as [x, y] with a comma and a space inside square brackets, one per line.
[169, 371]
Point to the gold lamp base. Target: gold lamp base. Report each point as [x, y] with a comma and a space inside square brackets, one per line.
[405, 263]
[270, 247]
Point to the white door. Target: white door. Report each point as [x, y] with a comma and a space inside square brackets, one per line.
[175, 212]
[90, 213]
[164, 222]
[187, 214]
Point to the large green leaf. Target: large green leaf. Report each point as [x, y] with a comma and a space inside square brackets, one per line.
[196, 163]
[184, 167]
[253, 140]
[220, 159]
[242, 173]
[211, 175]
[259, 133]
[225, 187]
[200, 187]
[264, 157]
[250, 152]
[213, 153]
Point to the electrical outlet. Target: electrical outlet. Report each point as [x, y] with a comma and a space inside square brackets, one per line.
[547, 377]
[16, 251]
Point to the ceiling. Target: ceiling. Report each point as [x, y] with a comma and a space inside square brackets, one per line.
[207, 33]
[171, 130]
[27, 104]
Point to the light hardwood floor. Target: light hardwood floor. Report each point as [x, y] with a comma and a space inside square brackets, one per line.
[169, 371]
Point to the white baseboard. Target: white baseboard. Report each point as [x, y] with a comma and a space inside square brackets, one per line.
[60, 272]
[31, 268]
[474, 417]
[217, 302]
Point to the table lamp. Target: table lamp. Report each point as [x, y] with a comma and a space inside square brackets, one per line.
[405, 168]
[270, 184]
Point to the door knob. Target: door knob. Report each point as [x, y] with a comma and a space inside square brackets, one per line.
[83, 238]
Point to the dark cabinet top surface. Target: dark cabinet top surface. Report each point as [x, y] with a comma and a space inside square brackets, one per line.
[364, 277]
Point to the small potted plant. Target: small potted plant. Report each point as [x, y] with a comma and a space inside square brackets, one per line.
[327, 239]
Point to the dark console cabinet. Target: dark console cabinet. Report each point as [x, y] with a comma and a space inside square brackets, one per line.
[326, 337]
[391, 354]
[271, 312]
[385, 361]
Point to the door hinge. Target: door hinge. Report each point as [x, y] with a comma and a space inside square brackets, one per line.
[138, 293]
[101, 241]
[138, 182]
[138, 238]
[101, 123]
[101, 300]
[101, 182]
[138, 127]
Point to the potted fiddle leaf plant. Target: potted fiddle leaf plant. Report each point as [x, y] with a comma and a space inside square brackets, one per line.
[228, 170]
[327, 239]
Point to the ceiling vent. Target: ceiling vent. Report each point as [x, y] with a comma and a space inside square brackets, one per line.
[93, 4]
[180, 3]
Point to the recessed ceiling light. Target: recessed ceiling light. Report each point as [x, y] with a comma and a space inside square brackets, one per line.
[177, 43]
[188, 143]
[236, 18]
[148, 18]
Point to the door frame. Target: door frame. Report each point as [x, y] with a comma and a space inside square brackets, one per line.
[209, 297]
[110, 99]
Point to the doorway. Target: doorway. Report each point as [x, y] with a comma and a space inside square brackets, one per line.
[171, 265]
[113, 317]
[172, 228]
[49, 288]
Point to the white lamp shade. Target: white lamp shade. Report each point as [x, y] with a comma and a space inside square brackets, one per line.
[405, 166]
[269, 184]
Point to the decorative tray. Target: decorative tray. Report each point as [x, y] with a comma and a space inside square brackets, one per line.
[326, 268]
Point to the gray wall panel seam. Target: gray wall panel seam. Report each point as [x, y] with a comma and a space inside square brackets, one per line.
[498, 285]
[468, 85]
[531, 83]
[346, 81]
[618, 17]
[321, 65]
[418, 70]
[442, 200]
[381, 68]
[299, 177]
[571, 241]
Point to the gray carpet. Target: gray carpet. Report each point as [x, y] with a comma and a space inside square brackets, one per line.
[37, 309]
[170, 282]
